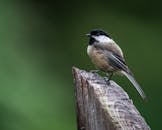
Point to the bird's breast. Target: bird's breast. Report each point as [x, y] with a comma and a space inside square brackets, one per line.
[99, 58]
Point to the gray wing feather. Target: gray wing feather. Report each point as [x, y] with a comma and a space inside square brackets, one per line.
[118, 63]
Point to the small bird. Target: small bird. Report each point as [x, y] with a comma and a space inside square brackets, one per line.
[108, 57]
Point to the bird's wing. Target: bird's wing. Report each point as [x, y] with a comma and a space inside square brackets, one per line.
[117, 61]
[114, 56]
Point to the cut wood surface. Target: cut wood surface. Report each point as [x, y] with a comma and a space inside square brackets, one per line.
[103, 106]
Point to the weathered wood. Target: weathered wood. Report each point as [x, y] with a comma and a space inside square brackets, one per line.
[103, 106]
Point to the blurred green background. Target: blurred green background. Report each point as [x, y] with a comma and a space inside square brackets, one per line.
[40, 41]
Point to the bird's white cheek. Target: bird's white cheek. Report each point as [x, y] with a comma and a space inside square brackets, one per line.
[103, 39]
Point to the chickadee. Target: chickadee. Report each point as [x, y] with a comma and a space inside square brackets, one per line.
[108, 57]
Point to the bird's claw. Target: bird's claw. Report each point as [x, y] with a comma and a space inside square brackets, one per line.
[107, 80]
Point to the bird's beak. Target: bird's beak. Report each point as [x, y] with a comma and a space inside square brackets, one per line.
[88, 35]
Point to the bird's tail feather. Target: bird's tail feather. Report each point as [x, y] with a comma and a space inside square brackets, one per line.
[136, 85]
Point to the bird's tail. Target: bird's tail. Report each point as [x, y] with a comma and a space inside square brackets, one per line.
[134, 82]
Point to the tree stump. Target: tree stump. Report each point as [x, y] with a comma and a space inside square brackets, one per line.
[103, 106]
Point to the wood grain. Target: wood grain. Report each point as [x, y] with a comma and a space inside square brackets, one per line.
[103, 106]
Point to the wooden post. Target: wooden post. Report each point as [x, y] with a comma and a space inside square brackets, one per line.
[103, 106]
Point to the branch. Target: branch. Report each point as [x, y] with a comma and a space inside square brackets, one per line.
[102, 106]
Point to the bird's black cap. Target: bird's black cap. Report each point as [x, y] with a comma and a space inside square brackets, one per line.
[98, 32]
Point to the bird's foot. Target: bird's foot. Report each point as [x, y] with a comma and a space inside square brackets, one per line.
[110, 74]
[107, 80]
